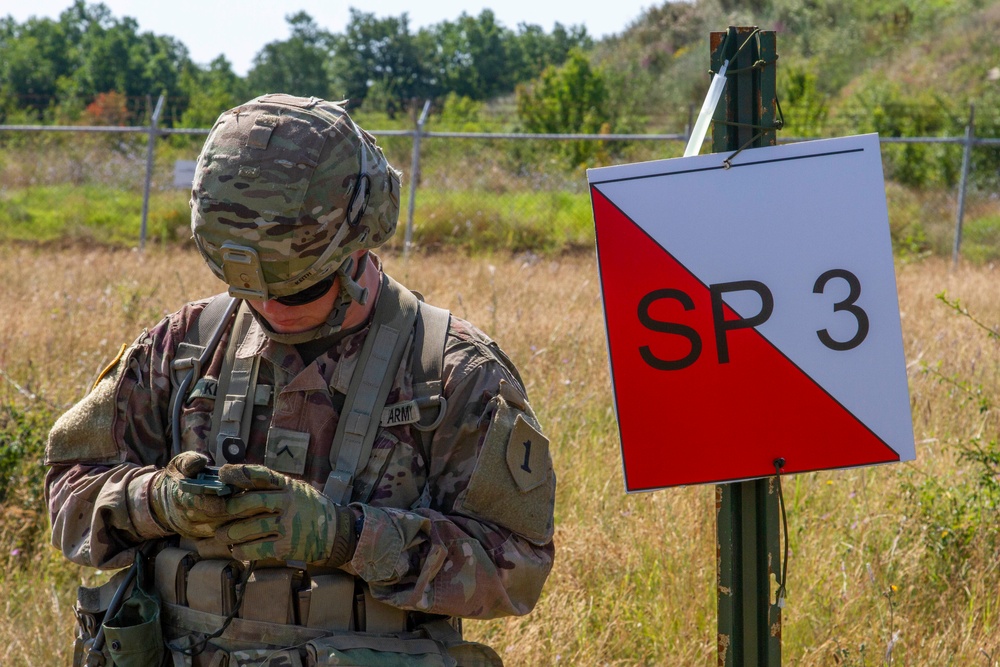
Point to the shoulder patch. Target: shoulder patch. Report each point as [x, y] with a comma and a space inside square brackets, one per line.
[527, 455]
[513, 484]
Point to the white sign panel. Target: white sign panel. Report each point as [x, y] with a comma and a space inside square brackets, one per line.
[764, 292]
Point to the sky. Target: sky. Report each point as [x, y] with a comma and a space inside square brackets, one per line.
[240, 29]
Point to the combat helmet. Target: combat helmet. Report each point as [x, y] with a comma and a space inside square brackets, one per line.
[285, 190]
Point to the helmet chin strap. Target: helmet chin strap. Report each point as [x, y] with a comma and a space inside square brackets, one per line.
[350, 290]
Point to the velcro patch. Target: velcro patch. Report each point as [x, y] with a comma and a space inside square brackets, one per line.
[262, 394]
[527, 455]
[407, 412]
[286, 450]
[513, 484]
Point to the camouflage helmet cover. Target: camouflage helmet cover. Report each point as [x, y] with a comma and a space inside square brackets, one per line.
[294, 182]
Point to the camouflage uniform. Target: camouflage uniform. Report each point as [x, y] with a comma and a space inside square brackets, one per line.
[452, 524]
[419, 548]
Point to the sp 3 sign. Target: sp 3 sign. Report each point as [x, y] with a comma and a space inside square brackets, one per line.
[751, 313]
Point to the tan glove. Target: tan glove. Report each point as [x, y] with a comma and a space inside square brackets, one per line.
[284, 519]
[190, 515]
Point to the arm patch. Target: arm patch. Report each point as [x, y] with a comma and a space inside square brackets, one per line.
[513, 484]
[86, 431]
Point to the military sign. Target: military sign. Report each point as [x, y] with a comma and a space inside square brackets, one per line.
[751, 313]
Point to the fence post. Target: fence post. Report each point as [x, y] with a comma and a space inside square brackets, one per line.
[150, 145]
[414, 176]
[963, 183]
[747, 517]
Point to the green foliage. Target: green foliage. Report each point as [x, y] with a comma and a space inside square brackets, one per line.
[891, 110]
[23, 434]
[981, 239]
[571, 99]
[532, 50]
[481, 221]
[22, 442]
[57, 67]
[459, 114]
[473, 56]
[804, 106]
[381, 51]
[53, 69]
[958, 516]
[90, 213]
[298, 65]
[985, 173]
[210, 92]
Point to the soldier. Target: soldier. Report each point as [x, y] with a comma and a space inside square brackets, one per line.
[380, 475]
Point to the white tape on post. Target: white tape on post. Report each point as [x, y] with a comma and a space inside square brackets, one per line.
[707, 109]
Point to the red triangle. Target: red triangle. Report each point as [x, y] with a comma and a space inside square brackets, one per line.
[708, 421]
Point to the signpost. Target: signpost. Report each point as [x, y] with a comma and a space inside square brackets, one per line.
[752, 313]
[753, 325]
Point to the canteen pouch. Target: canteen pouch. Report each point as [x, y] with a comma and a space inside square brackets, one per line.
[91, 605]
[133, 636]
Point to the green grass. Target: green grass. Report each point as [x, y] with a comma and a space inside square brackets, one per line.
[56, 213]
[981, 239]
[908, 548]
[518, 221]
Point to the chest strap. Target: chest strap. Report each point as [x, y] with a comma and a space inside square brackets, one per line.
[193, 353]
[237, 381]
[395, 314]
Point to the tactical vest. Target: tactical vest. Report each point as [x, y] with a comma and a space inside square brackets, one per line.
[297, 616]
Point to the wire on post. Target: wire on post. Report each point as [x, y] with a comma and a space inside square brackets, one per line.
[779, 463]
[760, 63]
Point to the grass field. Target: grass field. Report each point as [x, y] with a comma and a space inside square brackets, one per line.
[889, 565]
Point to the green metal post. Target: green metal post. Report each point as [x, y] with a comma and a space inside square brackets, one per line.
[748, 519]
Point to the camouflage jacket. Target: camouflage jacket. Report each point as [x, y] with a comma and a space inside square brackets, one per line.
[458, 530]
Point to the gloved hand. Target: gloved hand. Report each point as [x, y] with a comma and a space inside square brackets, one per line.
[285, 519]
[187, 514]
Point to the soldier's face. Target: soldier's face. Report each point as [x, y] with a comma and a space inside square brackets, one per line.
[296, 319]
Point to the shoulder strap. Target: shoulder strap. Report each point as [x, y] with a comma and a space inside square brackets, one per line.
[429, 339]
[193, 352]
[233, 411]
[381, 353]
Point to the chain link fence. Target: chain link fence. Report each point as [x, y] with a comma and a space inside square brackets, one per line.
[526, 192]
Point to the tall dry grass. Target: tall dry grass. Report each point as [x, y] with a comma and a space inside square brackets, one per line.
[876, 575]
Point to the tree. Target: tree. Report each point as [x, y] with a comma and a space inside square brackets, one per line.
[473, 56]
[533, 50]
[379, 51]
[33, 57]
[107, 109]
[110, 55]
[569, 99]
[298, 65]
[210, 92]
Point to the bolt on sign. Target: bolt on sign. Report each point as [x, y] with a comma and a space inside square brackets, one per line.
[752, 313]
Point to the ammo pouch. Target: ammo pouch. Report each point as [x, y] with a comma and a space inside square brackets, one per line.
[296, 618]
[259, 644]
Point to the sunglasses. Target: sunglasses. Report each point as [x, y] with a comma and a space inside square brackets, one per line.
[308, 295]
